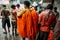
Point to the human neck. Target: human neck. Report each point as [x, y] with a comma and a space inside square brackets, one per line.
[27, 8]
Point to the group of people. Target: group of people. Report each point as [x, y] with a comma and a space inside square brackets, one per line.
[29, 23]
[5, 13]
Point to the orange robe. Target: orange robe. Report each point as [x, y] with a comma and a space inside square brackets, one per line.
[24, 24]
[20, 26]
[50, 35]
[35, 22]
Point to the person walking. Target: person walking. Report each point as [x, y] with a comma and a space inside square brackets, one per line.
[14, 20]
[46, 18]
[56, 13]
[5, 19]
[25, 22]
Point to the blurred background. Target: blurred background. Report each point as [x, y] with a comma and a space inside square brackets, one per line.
[42, 2]
[8, 3]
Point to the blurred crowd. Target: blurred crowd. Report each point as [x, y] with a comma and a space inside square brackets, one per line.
[33, 21]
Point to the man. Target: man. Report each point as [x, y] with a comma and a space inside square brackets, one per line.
[18, 7]
[5, 19]
[14, 19]
[35, 22]
[26, 22]
[57, 16]
[56, 13]
[46, 18]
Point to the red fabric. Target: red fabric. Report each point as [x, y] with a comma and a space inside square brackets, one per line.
[45, 24]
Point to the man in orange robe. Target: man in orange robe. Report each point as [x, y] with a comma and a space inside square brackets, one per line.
[24, 22]
[35, 23]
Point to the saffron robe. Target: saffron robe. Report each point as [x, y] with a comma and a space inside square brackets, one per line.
[24, 24]
[35, 22]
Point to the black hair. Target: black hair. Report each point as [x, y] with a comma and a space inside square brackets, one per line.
[4, 5]
[55, 8]
[36, 8]
[13, 6]
[27, 3]
[50, 6]
[18, 5]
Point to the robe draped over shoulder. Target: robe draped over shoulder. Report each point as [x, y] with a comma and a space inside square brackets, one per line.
[24, 24]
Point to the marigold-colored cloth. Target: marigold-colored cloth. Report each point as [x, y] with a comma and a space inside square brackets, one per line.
[50, 35]
[24, 24]
[35, 22]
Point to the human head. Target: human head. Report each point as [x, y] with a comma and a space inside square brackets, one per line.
[35, 8]
[35, 5]
[44, 8]
[55, 8]
[50, 6]
[26, 4]
[18, 5]
[4, 6]
[13, 6]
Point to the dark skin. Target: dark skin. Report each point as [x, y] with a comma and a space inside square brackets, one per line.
[25, 6]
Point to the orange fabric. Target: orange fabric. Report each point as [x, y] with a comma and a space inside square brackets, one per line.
[29, 26]
[24, 24]
[35, 21]
[50, 35]
[20, 27]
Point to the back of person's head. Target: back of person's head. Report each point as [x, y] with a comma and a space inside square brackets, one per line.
[27, 3]
[50, 6]
[55, 8]
[13, 6]
[4, 5]
[18, 5]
